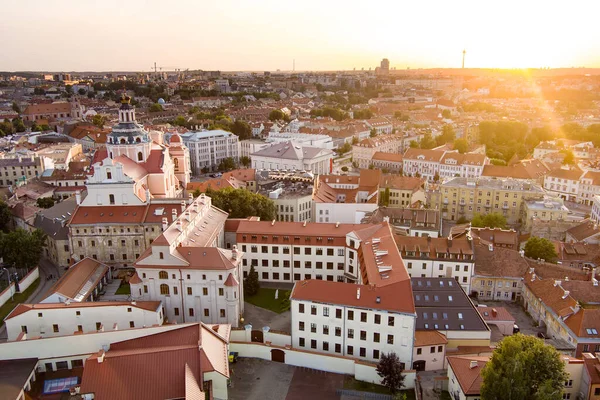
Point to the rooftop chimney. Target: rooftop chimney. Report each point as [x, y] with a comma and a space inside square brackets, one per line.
[165, 224]
[234, 252]
[473, 364]
[101, 356]
[178, 225]
[358, 294]
[183, 205]
[78, 197]
[174, 214]
[494, 313]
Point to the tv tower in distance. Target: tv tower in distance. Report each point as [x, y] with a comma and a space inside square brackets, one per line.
[464, 53]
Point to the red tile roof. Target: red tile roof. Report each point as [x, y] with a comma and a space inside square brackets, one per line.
[396, 297]
[428, 338]
[469, 379]
[144, 305]
[495, 314]
[156, 367]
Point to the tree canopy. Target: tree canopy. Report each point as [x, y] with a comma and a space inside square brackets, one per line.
[521, 368]
[45, 202]
[251, 282]
[492, 220]
[241, 203]
[461, 145]
[227, 164]
[447, 136]
[390, 369]
[155, 108]
[99, 121]
[22, 248]
[537, 247]
[363, 114]
[276, 115]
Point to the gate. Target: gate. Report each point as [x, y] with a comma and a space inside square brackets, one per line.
[278, 355]
[257, 336]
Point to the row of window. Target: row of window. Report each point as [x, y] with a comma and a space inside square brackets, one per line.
[286, 264]
[362, 351]
[350, 314]
[109, 243]
[286, 238]
[409, 265]
[206, 312]
[440, 349]
[349, 334]
[164, 290]
[165, 275]
[297, 250]
[56, 328]
[122, 230]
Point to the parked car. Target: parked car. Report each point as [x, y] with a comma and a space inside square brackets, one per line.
[542, 335]
[516, 329]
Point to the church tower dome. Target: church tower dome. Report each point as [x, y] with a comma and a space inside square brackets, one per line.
[127, 137]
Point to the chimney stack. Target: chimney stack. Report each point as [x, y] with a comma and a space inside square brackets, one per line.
[473, 364]
[165, 224]
[234, 252]
[101, 356]
[358, 294]
[174, 215]
[78, 197]
[183, 205]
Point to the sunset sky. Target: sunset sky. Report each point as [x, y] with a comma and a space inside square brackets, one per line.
[68, 35]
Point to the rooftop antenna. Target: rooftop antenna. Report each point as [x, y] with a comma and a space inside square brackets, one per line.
[464, 53]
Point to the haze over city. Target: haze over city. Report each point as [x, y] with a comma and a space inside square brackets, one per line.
[269, 35]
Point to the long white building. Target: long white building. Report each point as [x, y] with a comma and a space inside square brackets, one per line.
[209, 148]
[63, 319]
[188, 270]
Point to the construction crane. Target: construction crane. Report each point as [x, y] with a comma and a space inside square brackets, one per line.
[156, 68]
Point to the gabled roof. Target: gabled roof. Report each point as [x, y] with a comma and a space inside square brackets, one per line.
[429, 338]
[158, 367]
[23, 308]
[424, 155]
[586, 229]
[469, 378]
[79, 281]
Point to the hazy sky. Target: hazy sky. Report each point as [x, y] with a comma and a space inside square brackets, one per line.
[69, 35]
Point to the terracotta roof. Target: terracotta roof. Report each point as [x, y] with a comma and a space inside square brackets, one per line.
[501, 262]
[431, 247]
[497, 236]
[135, 279]
[109, 215]
[463, 159]
[585, 322]
[495, 314]
[396, 297]
[231, 281]
[59, 107]
[392, 157]
[584, 230]
[469, 379]
[424, 155]
[157, 367]
[429, 338]
[400, 182]
[144, 305]
[80, 280]
[573, 174]
[551, 294]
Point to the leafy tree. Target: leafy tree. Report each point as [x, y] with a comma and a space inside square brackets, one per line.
[446, 114]
[180, 121]
[384, 198]
[414, 144]
[245, 161]
[569, 157]
[5, 216]
[523, 367]
[373, 133]
[400, 116]
[227, 164]
[276, 115]
[345, 148]
[22, 248]
[81, 92]
[39, 91]
[537, 247]
[461, 145]
[344, 169]
[99, 120]
[6, 128]
[492, 220]
[45, 202]
[334, 113]
[155, 108]
[241, 203]
[390, 369]
[436, 177]
[427, 142]
[16, 107]
[251, 283]
[462, 220]
[447, 136]
[354, 140]
[363, 114]
[18, 125]
[242, 129]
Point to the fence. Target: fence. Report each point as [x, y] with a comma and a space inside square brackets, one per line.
[276, 346]
[24, 283]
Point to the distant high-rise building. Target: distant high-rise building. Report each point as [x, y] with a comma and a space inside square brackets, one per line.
[385, 65]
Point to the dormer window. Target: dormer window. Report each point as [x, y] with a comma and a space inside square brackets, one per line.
[108, 174]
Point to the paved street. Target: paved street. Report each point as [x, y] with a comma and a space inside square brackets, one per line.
[259, 317]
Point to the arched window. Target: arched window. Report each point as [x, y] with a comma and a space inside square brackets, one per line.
[123, 141]
[176, 162]
[111, 198]
[108, 174]
[140, 156]
[164, 289]
[163, 274]
[138, 140]
[162, 256]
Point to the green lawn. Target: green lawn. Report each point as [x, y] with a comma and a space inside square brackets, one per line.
[352, 384]
[124, 288]
[18, 298]
[265, 298]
